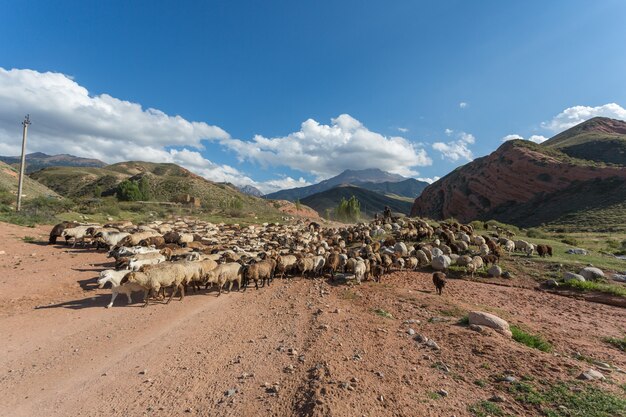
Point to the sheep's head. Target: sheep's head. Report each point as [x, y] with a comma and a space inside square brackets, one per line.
[130, 277]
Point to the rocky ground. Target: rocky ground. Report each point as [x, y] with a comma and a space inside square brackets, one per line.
[299, 347]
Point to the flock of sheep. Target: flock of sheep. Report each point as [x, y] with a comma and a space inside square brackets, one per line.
[188, 253]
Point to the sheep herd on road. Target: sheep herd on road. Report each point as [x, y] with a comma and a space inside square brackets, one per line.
[182, 254]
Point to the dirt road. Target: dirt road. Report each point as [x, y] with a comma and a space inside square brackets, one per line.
[300, 347]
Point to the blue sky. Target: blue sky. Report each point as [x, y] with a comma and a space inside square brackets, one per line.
[399, 69]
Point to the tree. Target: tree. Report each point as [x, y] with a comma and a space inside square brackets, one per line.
[144, 188]
[348, 210]
[298, 205]
[129, 191]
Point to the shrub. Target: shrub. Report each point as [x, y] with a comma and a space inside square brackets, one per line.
[535, 233]
[570, 241]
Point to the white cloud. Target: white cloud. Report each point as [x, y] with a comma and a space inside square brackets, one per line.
[537, 138]
[512, 137]
[327, 150]
[66, 119]
[282, 184]
[462, 104]
[574, 115]
[403, 129]
[456, 149]
[533, 138]
[428, 180]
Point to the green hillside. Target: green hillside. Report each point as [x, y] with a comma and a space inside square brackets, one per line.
[599, 139]
[32, 189]
[371, 202]
[166, 183]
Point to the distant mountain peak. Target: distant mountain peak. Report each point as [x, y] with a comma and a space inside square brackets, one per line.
[371, 176]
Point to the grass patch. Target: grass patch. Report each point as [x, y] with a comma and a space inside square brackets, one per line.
[28, 239]
[484, 409]
[596, 286]
[434, 395]
[618, 343]
[382, 313]
[452, 312]
[350, 295]
[585, 401]
[531, 340]
[464, 321]
[480, 383]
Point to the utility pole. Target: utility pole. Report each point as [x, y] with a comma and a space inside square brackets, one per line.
[20, 183]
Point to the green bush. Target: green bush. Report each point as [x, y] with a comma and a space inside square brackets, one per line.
[536, 233]
[570, 241]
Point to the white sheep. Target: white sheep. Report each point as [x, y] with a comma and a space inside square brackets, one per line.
[225, 273]
[167, 274]
[110, 238]
[359, 271]
[136, 263]
[76, 233]
[115, 277]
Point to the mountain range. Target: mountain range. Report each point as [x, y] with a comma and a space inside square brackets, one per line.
[38, 160]
[353, 177]
[577, 179]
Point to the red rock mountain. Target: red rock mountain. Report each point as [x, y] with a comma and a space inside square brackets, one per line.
[528, 184]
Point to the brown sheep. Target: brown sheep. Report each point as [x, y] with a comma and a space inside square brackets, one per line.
[439, 279]
[544, 250]
[156, 241]
[332, 263]
[258, 271]
[490, 259]
[58, 230]
[377, 271]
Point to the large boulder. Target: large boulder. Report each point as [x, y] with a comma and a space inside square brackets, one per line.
[441, 262]
[576, 251]
[495, 271]
[480, 318]
[570, 276]
[591, 273]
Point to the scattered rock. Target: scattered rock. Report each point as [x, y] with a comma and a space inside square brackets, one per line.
[576, 251]
[570, 276]
[432, 344]
[476, 328]
[143, 372]
[507, 275]
[550, 283]
[509, 378]
[489, 320]
[496, 398]
[591, 375]
[230, 392]
[591, 273]
[442, 392]
[420, 338]
[411, 332]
